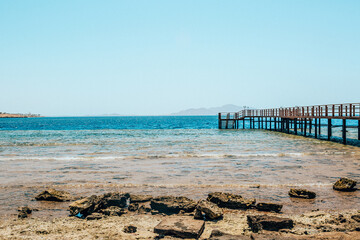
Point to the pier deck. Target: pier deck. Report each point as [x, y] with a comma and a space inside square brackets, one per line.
[306, 121]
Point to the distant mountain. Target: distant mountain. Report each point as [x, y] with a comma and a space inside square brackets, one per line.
[208, 111]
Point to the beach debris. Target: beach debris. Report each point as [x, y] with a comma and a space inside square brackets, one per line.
[266, 222]
[301, 193]
[134, 198]
[229, 200]
[180, 226]
[218, 235]
[54, 195]
[94, 216]
[211, 210]
[133, 207]
[130, 229]
[24, 212]
[269, 207]
[345, 185]
[113, 211]
[172, 205]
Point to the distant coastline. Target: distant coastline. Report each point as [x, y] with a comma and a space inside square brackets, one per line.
[208, 111]
[18, 115]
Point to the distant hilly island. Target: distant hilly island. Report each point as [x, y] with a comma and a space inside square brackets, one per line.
[208, 111]
[196, 111]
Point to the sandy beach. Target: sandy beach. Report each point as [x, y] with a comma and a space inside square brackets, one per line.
[310, 225]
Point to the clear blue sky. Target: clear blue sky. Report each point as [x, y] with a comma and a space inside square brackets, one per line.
[157, 57]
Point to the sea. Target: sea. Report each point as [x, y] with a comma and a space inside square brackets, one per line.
[168, 155]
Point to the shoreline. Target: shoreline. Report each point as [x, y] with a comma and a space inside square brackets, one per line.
[8, 115]
[327, 198]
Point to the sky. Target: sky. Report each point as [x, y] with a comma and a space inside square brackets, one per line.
[85, 57]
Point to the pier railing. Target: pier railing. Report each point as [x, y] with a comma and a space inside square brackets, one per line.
[303, 120]
[340, 111]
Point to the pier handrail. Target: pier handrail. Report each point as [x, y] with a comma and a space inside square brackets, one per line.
[341, 111]
[348, 110]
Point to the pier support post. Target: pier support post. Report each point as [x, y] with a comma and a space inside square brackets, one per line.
[359, 130]
[305, 120]
[219, 119]
[344, 131]
[275, 122]
[288, 125]
[310, 126]
[316, 130]
[266, 123]
[295, 126]
[319, 127]
[270, 124]
[329, 128]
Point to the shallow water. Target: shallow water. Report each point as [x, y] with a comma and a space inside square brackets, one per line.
[190, 162]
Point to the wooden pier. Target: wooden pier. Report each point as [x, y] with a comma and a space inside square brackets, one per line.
[308, 121]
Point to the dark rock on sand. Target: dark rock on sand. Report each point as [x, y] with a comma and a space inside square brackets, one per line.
[133, 207]
[130, 229]
[115, 199]
[271, 223]
[182, 227]
[113, 211]
[211, 210]
[85, 206]
[345, 185]
[24, 212]
[88, 205]
[140, 198]
[25, 209]
[172, 205]
[217, 235]
[301, 193]
[94, 216]
[356, 217]
[229, 200]
[53, 195]
[269, 207]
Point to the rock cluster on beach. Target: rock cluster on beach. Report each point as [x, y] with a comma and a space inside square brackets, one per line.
[182, 217]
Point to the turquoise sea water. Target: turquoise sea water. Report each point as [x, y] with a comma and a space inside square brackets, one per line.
[167, 155]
